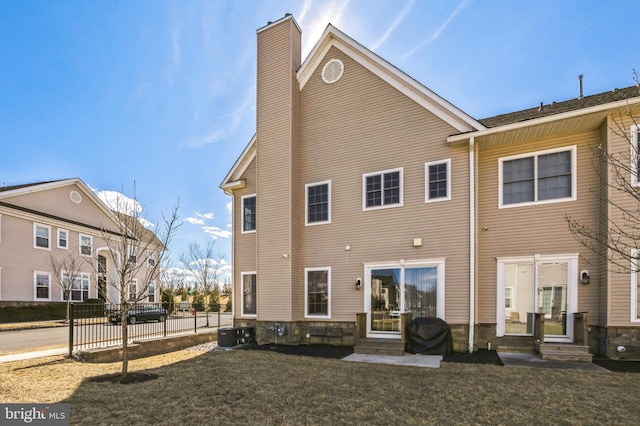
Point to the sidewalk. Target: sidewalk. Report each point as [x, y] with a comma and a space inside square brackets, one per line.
[15, 326]
[31, 355]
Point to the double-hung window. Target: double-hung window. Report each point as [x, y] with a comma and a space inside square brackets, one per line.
[41, 236]
[151, 258]
[133, 254]
[86, 245]
[318, 203]
[248, 213]
[249, 294]
[382, 189]
[79, 289]
[133, 290]
[537, 178]
[63, 239]
[438, 180]
[318, 292]
[151, 292]
[42, 285]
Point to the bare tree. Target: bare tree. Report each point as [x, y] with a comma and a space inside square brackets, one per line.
[204, 270]
[617, 240]
[66, 272]
[136, 254]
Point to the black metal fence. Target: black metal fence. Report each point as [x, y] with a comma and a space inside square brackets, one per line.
[100, 325]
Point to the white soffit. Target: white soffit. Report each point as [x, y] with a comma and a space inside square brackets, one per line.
[332, 37]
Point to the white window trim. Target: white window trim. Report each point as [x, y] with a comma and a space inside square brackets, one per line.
[35, 227]
[634, 130]
[634, 286]
[80, 244]
[426, 179]
[58, 239]
[306, 293]
[242, 275]
[134, 282]
[35, 285]
[154, 292]
[536, 154]
[572, 283]
[80, 275]
[438, 263]
[383, 206]
[252, 231]
[306, 203]
[151, 256]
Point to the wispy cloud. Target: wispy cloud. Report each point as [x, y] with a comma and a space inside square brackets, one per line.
[233, 120]
[199, 218]
[175, 38]
[437, 32]
[315, 20]
[216, 232]
[403, 13]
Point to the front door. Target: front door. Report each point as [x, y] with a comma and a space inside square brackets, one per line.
[416, 288]
[539, 284]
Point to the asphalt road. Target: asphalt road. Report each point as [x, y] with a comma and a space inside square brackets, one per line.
[53, 336]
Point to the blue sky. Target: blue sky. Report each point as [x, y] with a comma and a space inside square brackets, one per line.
[162, 93]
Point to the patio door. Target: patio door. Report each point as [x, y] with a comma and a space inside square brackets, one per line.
[539, 284]
[416, 288]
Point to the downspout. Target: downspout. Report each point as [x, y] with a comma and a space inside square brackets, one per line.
[233, 260]
[472, 243]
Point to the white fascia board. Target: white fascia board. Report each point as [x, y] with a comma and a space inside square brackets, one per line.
[37, 187]
[332, 37]
[543, 120]
[237, 168]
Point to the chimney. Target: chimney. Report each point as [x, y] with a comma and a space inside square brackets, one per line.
[279, 190]
[580, 83]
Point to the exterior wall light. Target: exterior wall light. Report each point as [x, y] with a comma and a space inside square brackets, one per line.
[358, 283]
[584, 277]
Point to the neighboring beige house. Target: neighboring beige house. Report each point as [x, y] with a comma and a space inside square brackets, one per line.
[59, 218]
[364, 196]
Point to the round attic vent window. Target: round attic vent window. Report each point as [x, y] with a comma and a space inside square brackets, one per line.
[332, 71]
[75, 197]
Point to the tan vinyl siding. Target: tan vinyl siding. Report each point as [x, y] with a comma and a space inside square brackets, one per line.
[603, 207]
[278, 58]
[244, 245]
[619, 281]
[536, 229]
[57, 202]
[360, 125]
[19, 259]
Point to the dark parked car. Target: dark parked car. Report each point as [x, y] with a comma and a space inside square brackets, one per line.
[140, 314]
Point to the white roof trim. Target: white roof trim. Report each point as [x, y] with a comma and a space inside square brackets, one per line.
[226, 182]
[544, 120]
[58, 184]
[332, 37]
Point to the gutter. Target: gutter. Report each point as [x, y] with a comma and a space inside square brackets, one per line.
[472, 243]
[543, 120]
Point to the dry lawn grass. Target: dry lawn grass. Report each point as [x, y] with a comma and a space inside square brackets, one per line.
[256, 387]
